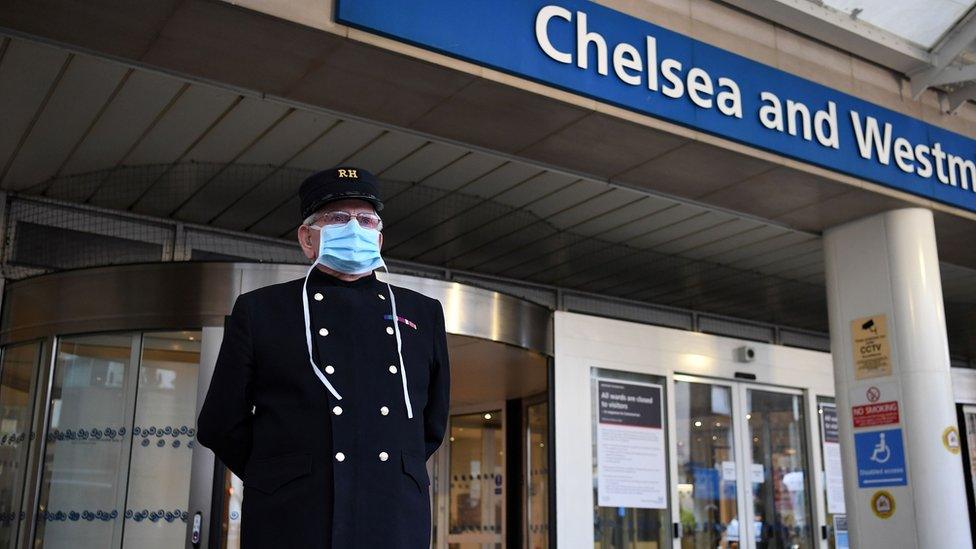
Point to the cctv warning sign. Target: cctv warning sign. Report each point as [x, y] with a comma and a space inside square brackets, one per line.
[869, 343]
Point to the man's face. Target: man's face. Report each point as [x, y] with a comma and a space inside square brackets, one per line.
[308, 237]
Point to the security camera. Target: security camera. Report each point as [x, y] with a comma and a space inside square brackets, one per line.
[745, 354]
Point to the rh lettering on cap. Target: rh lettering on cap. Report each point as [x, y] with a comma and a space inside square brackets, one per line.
[348, 173]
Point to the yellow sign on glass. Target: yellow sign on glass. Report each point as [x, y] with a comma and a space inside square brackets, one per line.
[869, 343]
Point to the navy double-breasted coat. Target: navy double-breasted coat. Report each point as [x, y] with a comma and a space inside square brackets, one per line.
[321, 472]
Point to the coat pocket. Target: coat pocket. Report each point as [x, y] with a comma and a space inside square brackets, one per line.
[416, 467]
[270, 473]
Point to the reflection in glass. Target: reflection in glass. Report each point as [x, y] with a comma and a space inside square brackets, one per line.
[969, 416]
[706, 466]
[17, 387]
[778, 471]
[475, 504]
[230, 518]
[537, 468]
[624, 527]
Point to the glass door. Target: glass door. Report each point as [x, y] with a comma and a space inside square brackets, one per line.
[776, 458]
[473, 463]
[742, 468]
[119, 440]
[708, 470]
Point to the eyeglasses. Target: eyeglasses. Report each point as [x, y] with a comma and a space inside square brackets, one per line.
[365, 220]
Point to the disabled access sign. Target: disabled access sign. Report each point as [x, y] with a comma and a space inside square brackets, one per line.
[880, 459]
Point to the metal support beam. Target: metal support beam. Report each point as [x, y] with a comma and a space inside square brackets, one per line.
[960, 37]
[958, 98]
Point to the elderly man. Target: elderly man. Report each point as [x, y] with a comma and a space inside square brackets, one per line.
[331, 391]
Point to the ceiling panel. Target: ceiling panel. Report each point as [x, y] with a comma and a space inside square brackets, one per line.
[539, 188]
[761, 246]
[774, 257]
[423, 162]
[682, 172]
[260, 199]
[662, 218]
[74, 104]
[278, 221]
[749, 239]
[694, 225]
[253, 168]
[27, 71]
[237, 130]
[627, 214]
[604, 203]
[384, 152]
[343, 141]
[507, 177]
[571, 196]
[288, 138]
[466, 168]
[181, 124]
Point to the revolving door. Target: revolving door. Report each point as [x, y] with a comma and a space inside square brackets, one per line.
[102, 373]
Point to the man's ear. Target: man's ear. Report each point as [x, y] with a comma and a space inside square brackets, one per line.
[305, 240]
[381, 241]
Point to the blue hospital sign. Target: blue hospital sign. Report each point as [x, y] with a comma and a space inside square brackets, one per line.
[593, 51]
[880, 459]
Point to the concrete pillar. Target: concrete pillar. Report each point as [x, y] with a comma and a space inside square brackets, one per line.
[903, 478]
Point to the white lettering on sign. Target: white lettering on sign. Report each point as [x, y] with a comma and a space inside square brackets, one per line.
[874, 141]
[632, 68]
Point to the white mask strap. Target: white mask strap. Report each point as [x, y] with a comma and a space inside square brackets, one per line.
[399, 344]
[308, 336]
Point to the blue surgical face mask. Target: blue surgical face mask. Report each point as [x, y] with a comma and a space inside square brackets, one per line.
[349, 248]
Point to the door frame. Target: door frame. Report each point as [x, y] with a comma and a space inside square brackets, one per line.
[524, 481]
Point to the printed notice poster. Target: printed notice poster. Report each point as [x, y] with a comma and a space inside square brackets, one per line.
[869, 343]
[631, 457]
[833, 478]
[840, 532]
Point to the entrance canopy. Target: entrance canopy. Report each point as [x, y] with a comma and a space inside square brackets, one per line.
[211, 114]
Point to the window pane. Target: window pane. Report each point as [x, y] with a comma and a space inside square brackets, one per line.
[631, 527]
[83, 485]
[162, 441]
[706, 466]
[17, 388]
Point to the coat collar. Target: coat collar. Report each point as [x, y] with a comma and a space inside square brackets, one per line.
[319, 278]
